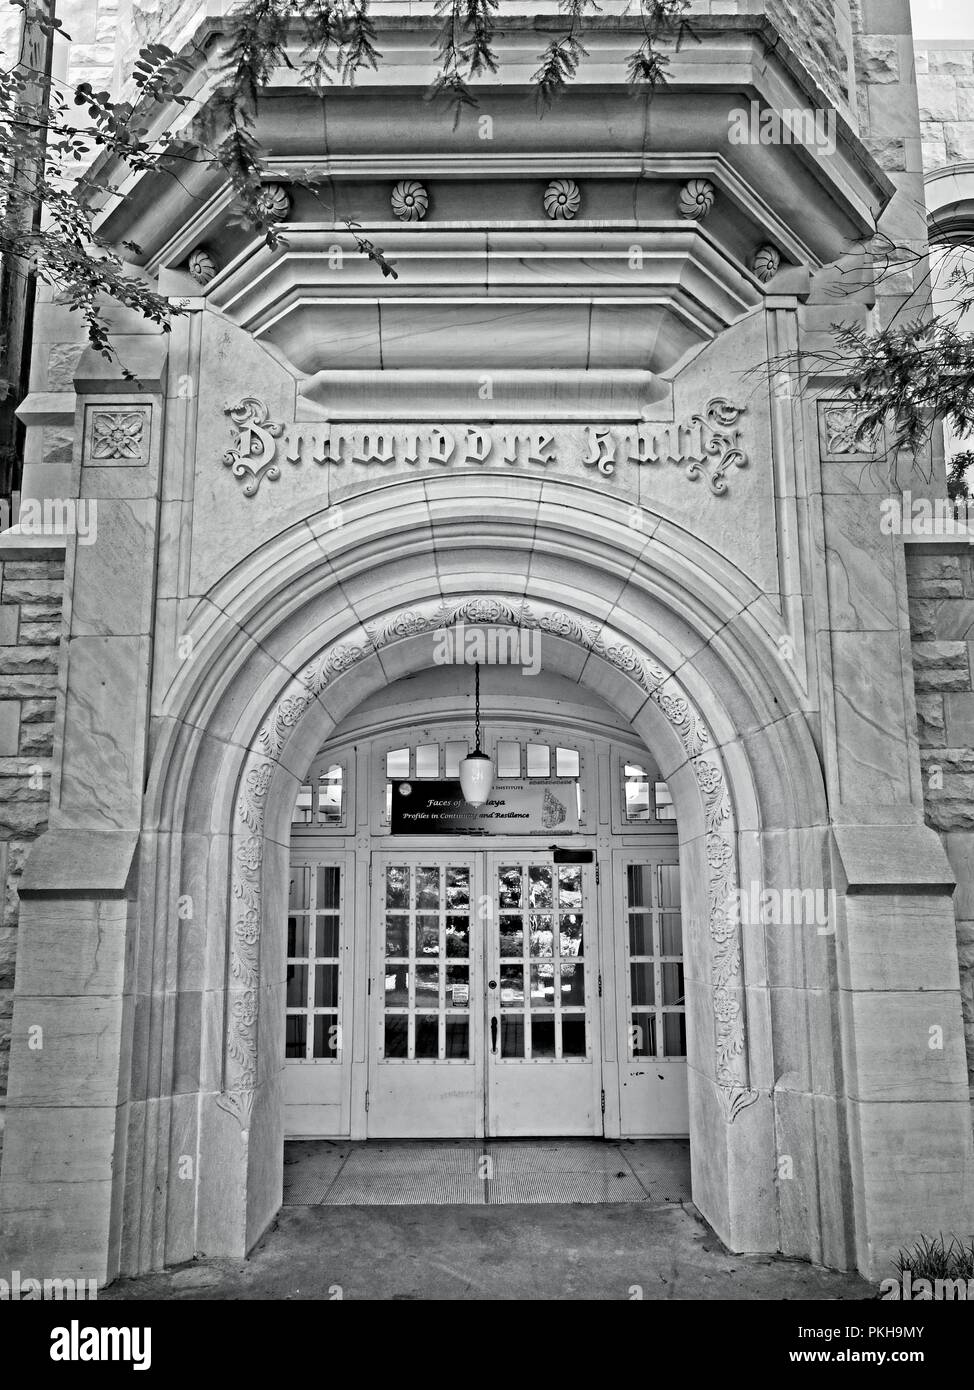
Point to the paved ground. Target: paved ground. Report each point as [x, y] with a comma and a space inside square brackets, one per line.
[656, 1247]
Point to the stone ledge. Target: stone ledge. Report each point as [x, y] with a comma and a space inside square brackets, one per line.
[81, 864]
[893, 859]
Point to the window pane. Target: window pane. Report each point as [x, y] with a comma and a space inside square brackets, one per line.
[397, 886]
[428, 760]
[638, 885]
[427, 986]
[397, 935]
[302, 807]
[428, 889]
[640, 933]
[674, 1035]
[539, 760]
[512, 936]
[397, 763]
[427, 935]
[297, 936]
[327, 887]
[512, 1035]
[297, 985]
[572, 984]
[573, 1035]
[458, 1038]
[508, 759]
[542, 986]
[643, 987]
[669, 885]
[326, 986]
[454, 753]
[637, 793]
[396, 1036]
[512, 987]
[326, 1035]
[566, 762]
[331, 796]
[327, 944]
[539, 887]
[542, 939]
[427, 1035]
[570, 934]
[295, 1035]
[570, 886]
[665, 810]
[397, 986]
[671, 934]
[457, 986]
[642, 1035]
[542, 1036]
[509, 886]
[299, 897]
[458, 936]
[457, 889]
[671, 983]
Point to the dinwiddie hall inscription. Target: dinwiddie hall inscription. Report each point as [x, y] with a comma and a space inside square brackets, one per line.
[707, 445]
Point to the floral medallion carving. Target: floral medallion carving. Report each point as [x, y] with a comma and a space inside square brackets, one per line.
[561, 199]
[695, 199]
[726, 961]
[118, 436]
[201, 265]
[839, 434]
[274, 202]
[766, 263]
[410, 201]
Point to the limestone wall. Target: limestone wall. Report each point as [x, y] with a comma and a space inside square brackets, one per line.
[945, 86]
[941, 589]
[30, 629]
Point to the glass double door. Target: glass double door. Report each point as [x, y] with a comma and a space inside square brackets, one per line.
[484, 992]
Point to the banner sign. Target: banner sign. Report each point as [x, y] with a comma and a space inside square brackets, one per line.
[438, 808]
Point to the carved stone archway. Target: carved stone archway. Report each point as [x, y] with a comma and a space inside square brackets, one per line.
[730, 1061]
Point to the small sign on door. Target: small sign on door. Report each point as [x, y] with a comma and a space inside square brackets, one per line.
[461, 995]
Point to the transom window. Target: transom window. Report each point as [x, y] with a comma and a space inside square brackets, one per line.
[321, 801]
[646, 799]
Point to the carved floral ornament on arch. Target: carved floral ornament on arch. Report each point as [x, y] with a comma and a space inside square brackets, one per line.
[707, 444]
[727, 983]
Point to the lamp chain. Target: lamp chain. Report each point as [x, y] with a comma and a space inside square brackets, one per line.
[476, 676]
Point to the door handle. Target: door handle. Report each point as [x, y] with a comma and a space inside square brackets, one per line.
[493, 1034]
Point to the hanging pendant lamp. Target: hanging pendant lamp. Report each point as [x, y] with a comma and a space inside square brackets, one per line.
[476, 770]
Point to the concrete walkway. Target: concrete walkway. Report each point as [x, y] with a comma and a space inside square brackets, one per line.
[653, 1247]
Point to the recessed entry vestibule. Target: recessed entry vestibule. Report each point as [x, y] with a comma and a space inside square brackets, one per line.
[519, 981]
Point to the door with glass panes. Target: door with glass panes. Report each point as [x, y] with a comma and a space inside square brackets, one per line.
[484, 997]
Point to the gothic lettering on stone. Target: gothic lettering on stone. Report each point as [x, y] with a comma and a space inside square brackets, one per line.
[706, 445]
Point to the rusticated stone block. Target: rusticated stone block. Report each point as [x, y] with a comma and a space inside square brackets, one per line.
[877, 58]
[26, 686]
[37, 711]
[23, 817]
[950, 62]
[9, 613]
[15, 661]
[889, 152]
[8, 956]
[960, 140]
[40, 634]
[32, 590]
[941, 666]
[9, 727]
[938, 99]
[37, 739]
[62, 358]
[930, 720]
[34, 569]
[46, 612]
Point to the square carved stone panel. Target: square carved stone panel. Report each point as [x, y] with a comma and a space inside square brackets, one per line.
[117, 435]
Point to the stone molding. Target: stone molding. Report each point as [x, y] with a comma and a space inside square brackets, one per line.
[727, 983]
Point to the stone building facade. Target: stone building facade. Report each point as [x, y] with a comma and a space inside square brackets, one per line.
[562, 422]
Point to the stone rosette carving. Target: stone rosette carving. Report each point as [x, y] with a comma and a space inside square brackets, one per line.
[561, 199]
[410, 201]
[118, 436]
[766, 262]
[274, 202]
[727, 984]
[201, 265]
[695, 199]
[838, 427]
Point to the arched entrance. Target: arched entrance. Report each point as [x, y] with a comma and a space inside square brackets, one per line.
[317, 631]
[514, 973]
